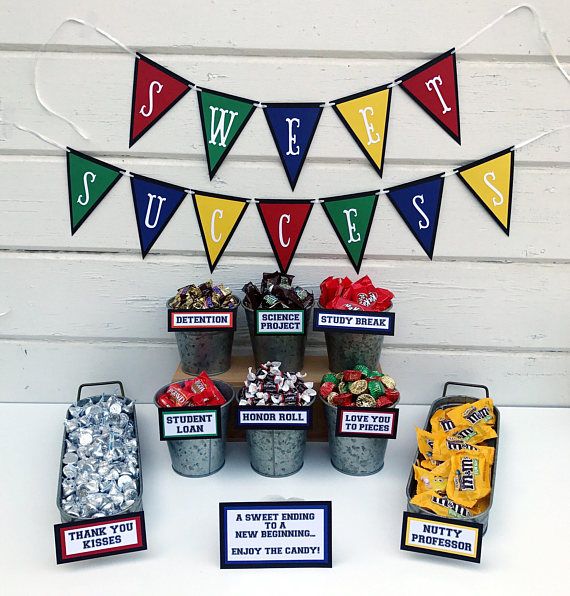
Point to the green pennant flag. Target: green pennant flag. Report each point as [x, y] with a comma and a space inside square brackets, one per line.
[223, 118]
[88, 181]
[351, 218]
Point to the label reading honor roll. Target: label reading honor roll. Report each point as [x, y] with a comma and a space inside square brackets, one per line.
[372, 423]
[279, 322]
[185, 320]
[354, 321]
[189, 423]
[102, 537]
[453, 538]
[274, 418]
[283, 534]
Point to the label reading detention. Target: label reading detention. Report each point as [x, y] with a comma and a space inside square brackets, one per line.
[279, 322]
[373, 423]
[354, 321]
[181, 320]
[274, 418]
[283, 534]
[189, 423]
[453, 538]
[100, 537]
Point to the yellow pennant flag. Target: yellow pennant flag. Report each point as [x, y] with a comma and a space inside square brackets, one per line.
[366, 115]
[218, 217]
[491, 181]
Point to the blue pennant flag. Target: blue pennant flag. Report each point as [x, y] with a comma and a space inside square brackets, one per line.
[293, 127]
[155, 204]
[418, 203]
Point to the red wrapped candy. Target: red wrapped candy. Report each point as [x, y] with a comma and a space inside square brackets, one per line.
[179, 395]
[343, 294]
[326, 388]
[200, 391]
[164, 401]
[344, 399]
[351, 375]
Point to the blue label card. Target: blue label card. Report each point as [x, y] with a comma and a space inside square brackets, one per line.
[354, 321]
[442, 536]
[184, 320]
[99, 537]
[189, 423]
[274, 418]
[371, 423]
[279, 322]
[275, 534]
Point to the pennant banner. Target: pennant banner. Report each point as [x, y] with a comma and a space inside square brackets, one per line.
[490, 180]
[223, 118]
[218, 217]
[155, 90]
[433, 86]
[418, 203]
[351, 218]
[293, 127]
[284, 221]
[155, 203]
[89, 181]
[366, 115]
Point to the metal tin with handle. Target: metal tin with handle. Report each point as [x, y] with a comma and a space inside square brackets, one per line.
[447, 401]
[137, 505]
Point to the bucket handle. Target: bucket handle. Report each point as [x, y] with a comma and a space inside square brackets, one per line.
[119, 383]
[465, 385]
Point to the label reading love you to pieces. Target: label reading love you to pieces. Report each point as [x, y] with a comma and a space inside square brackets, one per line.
[283, 534]
[189, 423]
[373, 423]
[184, 320]
[101, 537]
[432, 535]
[354, 321]
[279, 322]
[277, 418]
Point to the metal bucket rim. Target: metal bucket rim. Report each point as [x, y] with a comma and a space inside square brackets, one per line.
[234, 308]
[335, 407]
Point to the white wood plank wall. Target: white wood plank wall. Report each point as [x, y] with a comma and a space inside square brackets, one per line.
[489, 309]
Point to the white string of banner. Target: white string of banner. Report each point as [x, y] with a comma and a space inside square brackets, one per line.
[380, 192]
[260, 104]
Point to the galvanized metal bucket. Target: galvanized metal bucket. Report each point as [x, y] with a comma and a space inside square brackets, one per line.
[137, 505]
[445, 402]
[277, 453]
[201, 457]
[205, 350]
[287, 349]
[355, 456]
[346, 350]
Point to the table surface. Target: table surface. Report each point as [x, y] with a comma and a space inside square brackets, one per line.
[525, 550]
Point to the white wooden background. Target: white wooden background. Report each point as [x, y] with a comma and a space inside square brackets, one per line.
[488, 309]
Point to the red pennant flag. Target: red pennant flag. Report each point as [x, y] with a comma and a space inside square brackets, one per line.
[155, 90]
[433, 86]
[284, 222]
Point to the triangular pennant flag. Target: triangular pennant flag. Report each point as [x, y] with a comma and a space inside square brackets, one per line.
[366, 115]
[293, 127]
[284, 222]
[351, 218]
[223, 118]
[218, 218]
[155, 204]
[89, 181]
[418, 202]
[155, 90]
[490, 180]
[433, 86]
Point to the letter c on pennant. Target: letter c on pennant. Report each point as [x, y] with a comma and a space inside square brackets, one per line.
[219, 213]
[287, 218]
[83, 201]
[147, 112]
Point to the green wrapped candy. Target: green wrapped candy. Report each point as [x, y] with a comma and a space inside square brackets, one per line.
[329, 378]
[375, 373]
[363, 369]
[375, 388]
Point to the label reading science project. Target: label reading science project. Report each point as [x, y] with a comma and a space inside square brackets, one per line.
[282, 534]
[279, 322]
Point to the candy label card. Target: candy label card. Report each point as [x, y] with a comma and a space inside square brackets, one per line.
[432, 535]
[354, 321]
[189, 423]
[100, 537]
[184, 320]
[274, 418]
[372, 423]
[275, 534]
[279, 322]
